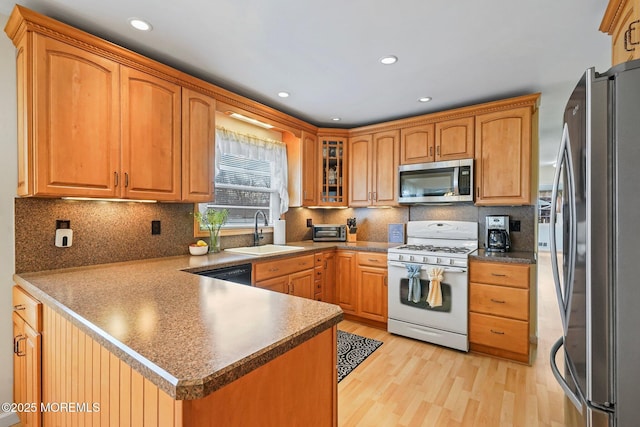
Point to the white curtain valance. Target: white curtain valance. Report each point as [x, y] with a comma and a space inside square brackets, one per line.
[252, 147]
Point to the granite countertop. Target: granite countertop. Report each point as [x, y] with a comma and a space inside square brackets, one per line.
[513, 257]
[188, 334]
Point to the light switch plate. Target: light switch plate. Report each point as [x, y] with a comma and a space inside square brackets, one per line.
[64, 237]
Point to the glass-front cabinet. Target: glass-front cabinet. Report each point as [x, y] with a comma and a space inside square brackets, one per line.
[333, 169]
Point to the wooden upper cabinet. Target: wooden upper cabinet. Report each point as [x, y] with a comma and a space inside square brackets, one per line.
[504, 154]
[385, 168]
[622, 22]
[454, 139]
[417, 144]
[198, 148]
[309, 166]
[360, 159]
[69, 139]
[373, 169]
[151, 140]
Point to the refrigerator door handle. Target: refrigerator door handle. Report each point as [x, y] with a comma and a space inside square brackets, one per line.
[556, 373]
[564, 298]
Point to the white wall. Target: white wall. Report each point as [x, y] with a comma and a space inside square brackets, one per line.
[8, 183]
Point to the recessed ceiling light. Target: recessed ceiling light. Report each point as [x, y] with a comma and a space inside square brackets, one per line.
[140, 24]
[389, 59]
[283, 94]
[424, 99]
[335, 119]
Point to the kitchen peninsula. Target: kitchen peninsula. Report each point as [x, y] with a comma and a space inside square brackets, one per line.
[152, 343]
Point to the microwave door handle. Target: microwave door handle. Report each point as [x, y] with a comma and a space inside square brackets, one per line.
[556, 373]
[456, 180]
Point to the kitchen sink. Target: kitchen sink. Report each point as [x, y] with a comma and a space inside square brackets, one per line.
[264, 250]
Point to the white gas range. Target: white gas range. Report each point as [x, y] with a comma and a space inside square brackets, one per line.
[436, 317]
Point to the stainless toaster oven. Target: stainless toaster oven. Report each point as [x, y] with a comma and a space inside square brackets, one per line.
[330, 233]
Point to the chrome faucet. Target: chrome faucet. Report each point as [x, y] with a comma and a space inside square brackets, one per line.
[258, 236]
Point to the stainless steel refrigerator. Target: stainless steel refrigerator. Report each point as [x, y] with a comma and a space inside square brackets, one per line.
[598, 281]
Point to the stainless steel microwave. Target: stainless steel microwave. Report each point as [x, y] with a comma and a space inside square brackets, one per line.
[330, 233]
[436, 182]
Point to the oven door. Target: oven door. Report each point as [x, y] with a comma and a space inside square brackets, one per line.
[451, 316]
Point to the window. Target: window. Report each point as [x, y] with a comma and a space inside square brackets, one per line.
[250, 175]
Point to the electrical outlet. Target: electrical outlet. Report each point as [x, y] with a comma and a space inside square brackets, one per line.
[514, 225]
[155, 227]
[63, 224]
[309, 222]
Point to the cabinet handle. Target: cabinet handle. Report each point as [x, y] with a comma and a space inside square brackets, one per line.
[497, 301]
[305, 194]
[477, 191]
[126, 180]
[385, 280]
[438, 150]
[496, 332]
[292, 288]
[369, 195]
[16, 348]
[274, 269]
[375, 196]
[115, 179]
[373, 260]
[431, 151]
[498, 274]
[325, 265]
[19, 307]
[627, 37]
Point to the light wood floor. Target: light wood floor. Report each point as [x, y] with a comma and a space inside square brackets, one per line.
[410, 383]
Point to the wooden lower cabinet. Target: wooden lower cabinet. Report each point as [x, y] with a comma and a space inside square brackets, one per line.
[298, 387]
[361, 284]
[293, 275]
[502, 309]
[27, 356]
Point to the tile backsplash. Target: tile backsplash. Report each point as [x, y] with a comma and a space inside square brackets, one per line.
[106, 232]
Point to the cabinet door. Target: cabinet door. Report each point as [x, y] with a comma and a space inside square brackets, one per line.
[150, 137]
[346, 287]
[278, 284]
[454, 139]
[309, 169]
[27, 370]
[329, 277]
[503, 157]
[198, 133]
[76, 121]
[385, 162]
[372, 293]
[360, 185]
[301, 284]
[417, 144]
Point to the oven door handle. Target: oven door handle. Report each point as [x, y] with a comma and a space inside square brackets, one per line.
[427, 267]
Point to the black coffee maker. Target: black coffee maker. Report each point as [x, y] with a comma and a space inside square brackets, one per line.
[497, 238]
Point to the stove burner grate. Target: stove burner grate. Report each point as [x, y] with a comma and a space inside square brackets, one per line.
[432, 248]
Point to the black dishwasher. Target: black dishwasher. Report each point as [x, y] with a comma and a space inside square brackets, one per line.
[237, 274]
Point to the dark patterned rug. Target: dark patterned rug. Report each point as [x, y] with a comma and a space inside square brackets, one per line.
[352, 350]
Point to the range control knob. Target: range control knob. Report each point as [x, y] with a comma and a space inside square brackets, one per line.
[410, 257]
[400, 257]
[425, 259]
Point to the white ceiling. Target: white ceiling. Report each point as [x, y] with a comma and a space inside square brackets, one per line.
[325, 53]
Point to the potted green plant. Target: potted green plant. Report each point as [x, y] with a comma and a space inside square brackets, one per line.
[212, 219]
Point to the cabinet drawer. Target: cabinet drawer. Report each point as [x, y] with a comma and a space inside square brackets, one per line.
[499, 332]
[373, 259]
[27, 307]
[280, 267]
[499, 301]
[495, 273]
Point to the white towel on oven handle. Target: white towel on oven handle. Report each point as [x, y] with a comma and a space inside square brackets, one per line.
[413, 273]
[434, 299]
